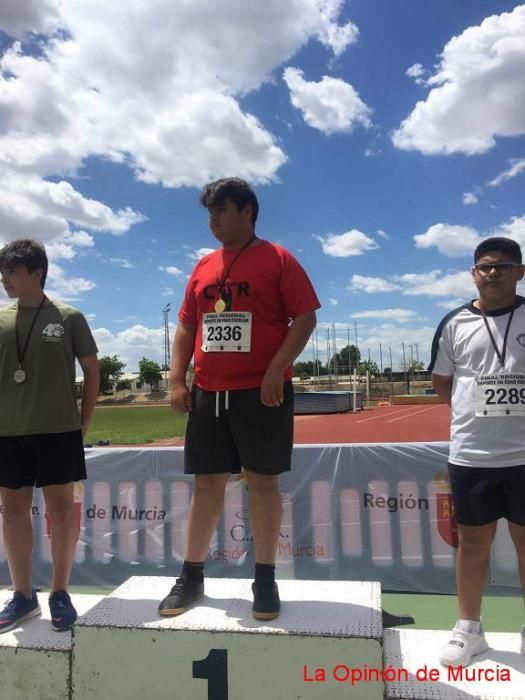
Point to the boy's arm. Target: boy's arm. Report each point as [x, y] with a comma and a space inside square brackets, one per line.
[91, 372]
[298, 333]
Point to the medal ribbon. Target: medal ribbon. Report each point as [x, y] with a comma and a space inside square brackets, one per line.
[221, 282]
[21, 353]
[501, 355]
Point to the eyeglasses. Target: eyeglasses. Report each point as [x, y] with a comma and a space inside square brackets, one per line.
[502, 268]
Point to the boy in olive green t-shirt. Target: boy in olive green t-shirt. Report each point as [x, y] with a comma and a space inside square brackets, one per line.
[41, 429]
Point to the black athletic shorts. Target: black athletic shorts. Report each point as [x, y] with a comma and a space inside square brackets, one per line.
[41, 460]
[230, 430]
[484, 494]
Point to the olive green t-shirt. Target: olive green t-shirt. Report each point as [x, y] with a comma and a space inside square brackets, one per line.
[46, 401]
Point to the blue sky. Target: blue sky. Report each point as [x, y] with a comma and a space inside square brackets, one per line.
[384, 140]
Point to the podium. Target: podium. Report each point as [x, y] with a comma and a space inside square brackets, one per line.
[327, 643]
[217, 651]
[35, 661]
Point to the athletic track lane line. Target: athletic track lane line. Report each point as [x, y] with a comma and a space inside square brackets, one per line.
[385, 415]
[429, 408]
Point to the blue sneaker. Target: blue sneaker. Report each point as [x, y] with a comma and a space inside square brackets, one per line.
[63, 614]
[18, 609]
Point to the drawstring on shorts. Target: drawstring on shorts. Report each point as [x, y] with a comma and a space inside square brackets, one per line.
[218, 403]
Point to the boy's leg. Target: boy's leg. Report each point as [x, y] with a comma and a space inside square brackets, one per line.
[60, 506]
[18, 535]
[517, 532]
[264, 506]
[205, 510]
[472, 565]
[265, 511]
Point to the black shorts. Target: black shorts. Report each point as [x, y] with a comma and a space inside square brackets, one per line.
[483, 495]
[236, 430]
[41, 460]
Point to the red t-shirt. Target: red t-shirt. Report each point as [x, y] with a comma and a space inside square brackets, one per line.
[267, 281]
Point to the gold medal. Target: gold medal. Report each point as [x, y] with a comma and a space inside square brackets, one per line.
[220, 305]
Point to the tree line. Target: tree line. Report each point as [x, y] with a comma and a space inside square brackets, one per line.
[347, 361]
[112, 368]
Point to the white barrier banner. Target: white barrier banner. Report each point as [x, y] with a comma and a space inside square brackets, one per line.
[379, 512]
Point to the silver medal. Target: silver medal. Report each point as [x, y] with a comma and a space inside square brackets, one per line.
[19, 376]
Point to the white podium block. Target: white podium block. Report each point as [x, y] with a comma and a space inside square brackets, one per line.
[34, 659]
[497, 674]
[217, 651]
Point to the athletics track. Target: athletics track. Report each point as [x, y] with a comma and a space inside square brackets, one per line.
[413, 423]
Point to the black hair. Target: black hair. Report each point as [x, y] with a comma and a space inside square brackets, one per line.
[500, 244]
[26, 252]
[232, 188]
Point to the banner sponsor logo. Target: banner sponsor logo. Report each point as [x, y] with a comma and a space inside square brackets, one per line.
[446, 521]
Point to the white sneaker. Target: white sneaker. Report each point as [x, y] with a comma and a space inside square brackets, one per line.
[522, 645]
[462, 646]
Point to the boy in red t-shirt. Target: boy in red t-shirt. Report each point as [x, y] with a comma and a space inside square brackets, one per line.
[248, 311]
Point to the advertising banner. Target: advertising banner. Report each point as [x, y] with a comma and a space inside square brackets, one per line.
[368, 512]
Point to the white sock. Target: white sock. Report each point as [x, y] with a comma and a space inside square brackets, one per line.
[470, 626]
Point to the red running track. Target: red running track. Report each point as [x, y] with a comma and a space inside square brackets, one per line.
[416, 423]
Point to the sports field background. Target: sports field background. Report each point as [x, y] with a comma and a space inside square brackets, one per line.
[135, 425]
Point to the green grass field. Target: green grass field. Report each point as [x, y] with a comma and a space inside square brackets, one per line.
[130, 425]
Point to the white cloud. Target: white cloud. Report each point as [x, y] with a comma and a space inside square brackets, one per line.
[371, 285]
[133, 343]
[477, 93]
[346, 244]
[392, 336]
[451, 304]
[18, 17]
[73, 100]
[417, 72]
[449, 240]
[382, 234]
[462, 240]
[335, 36]
[515, 229]
[67, 289]
[169, 111]
[51, 212]
[433, 283]
[333, 302]
[196, 255]
[65, 246]
[400, 315]
[331, 105]
[517, 166]
[123, 262]
[172, 271]
[469, 198]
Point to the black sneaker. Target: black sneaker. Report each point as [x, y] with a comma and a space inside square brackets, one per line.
[266, 603]
[63, 614]
[18, 609]
[184, 593]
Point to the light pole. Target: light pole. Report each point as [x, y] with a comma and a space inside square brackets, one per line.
[381, 367]
[405, 369]
[391, 371]
[166, 311]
